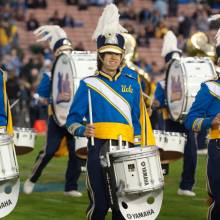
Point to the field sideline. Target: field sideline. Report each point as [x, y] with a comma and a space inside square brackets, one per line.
[51, 204]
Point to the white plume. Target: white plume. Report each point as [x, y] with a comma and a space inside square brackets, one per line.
[51, 33]
[108, 23]
[214, 17]
[169, 43]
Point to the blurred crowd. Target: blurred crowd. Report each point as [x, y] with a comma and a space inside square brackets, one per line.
[25, 69]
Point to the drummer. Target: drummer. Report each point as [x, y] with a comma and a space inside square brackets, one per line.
[115, 99]
[205, 114]
[170, 51]
[55, 136]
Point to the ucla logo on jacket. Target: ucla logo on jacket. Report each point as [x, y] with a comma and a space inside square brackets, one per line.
[127, 89]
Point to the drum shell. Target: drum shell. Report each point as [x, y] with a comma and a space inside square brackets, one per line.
[24, 140]
[68, 70]
[171, 145]
[183, 80]
[81, 149]
[8, 161]
[138, 168]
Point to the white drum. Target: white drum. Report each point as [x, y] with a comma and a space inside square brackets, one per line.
[81, 147]
[184, 77]
[24, 140]
[8, 160]
[68, 70]
[137, 169]
[171, 145]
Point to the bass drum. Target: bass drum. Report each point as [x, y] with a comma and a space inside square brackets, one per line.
[184, 78]
[69, 68]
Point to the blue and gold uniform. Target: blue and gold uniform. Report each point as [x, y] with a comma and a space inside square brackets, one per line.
[204, 109]
[55, 135]
[116, 111]
[116, 107]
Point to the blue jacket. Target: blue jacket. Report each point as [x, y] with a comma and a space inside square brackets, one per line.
[205, 107]
[44, 88]
[115, 106]
[159, 94]
[3, 115]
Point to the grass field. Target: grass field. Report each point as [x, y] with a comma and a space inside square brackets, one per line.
[49, 203]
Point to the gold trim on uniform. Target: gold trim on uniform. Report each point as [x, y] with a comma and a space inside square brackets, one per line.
[62, 49]
[49, 110]
[111, 130]
[110, 48]
[214, 134]
[73, 127]
[114, 78]
[197, 124]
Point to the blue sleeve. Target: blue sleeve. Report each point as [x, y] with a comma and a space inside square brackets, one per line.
[44, 87]
[78, 110]
[159, 95]
[136, 114]
[3, 115]
[196, 119]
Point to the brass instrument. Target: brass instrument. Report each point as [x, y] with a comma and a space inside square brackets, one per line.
[198, 45]
[130, 56]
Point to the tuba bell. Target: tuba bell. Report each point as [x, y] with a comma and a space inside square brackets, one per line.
[198, 45]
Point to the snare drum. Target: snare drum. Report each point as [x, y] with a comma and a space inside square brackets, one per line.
[184, 78]
[81, 147]
[8, 161]
[137, 169]
[24, 140]
[171, 145]
[68, 70]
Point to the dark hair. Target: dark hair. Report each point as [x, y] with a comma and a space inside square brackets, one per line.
[99, 61]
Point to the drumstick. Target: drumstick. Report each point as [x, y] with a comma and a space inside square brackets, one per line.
[14, 103]
[90, 113]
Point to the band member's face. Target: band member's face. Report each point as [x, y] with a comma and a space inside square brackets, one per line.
[111, 62]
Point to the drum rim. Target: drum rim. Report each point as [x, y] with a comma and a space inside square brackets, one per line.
[5, 138]
[122, 153]
[31, 130]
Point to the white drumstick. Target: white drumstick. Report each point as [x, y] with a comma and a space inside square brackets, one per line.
[14, 103]
[90, 113]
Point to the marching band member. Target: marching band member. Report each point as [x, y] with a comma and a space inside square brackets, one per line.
[115, 98]
[170, 51]
[55, 133]
[205, 114]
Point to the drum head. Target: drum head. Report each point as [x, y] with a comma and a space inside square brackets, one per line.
[175, 89]
[67, 72]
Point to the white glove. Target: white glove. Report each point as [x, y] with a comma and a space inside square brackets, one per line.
[52, 33]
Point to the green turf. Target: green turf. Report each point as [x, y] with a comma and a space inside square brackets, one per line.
[53, 205]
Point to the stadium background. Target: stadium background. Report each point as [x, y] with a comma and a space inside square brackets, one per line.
[26, 61]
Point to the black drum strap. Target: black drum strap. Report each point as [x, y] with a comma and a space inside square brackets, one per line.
[109, 177]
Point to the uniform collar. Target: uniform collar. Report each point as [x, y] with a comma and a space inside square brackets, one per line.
[110, 78]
